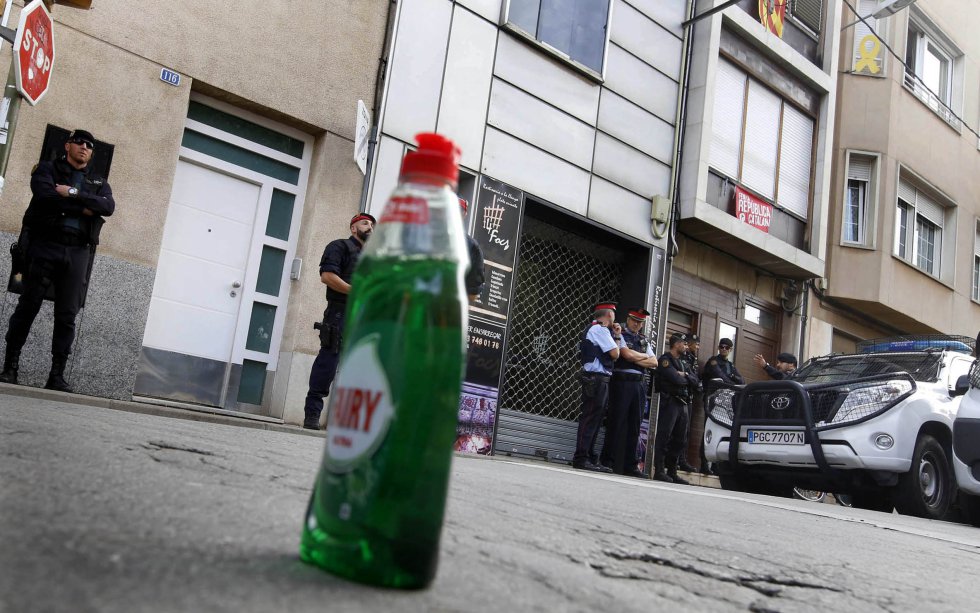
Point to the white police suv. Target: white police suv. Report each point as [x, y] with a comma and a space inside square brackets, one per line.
[966, 448]
[877, 425]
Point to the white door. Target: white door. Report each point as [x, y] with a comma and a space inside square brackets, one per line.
[197, 293]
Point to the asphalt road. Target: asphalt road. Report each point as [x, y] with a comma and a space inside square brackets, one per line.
[105, 510]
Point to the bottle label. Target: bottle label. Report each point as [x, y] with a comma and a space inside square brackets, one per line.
[406, 209]
[360, 407]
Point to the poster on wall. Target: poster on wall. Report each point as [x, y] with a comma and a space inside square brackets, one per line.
[498, 212]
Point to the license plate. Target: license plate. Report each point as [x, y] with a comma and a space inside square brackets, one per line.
[776, 437]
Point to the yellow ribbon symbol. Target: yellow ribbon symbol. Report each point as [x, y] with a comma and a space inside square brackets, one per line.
[868, 60]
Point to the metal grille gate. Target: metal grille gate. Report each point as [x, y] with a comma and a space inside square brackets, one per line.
[560, 277]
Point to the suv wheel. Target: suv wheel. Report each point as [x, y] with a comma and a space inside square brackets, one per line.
[927, 489]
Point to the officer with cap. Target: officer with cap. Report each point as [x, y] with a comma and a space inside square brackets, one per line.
[785, 365]
[627, 396]
[61, 228]
[336, 267]
[721, 367]
[691, 366]
[599, 348]
[674, 384]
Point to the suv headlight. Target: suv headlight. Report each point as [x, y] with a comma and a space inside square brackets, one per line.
[867, 400]
[721, 408]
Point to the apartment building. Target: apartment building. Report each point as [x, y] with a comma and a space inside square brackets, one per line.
[903, 241]
[566, 113]
[227, 133]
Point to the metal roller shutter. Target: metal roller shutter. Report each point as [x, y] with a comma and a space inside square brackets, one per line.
[761, 140]
[726, 124]
[795, 154]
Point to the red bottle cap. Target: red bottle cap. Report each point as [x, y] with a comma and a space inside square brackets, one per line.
[437, 156]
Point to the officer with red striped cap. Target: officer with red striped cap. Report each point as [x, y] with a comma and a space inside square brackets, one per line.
[627, 397]
[336, 267]
[599, 349]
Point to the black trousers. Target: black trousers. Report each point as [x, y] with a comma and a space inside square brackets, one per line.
[595, 390]
[622, 423]
[670, 431]
[324, 366]
[65, 268]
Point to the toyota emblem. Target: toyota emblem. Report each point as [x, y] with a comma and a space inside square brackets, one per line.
[780, 403]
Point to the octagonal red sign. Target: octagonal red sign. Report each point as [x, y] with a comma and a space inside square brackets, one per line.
[34, 51]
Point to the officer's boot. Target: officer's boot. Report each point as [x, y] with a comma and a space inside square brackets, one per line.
[11, 364]
[659, 474]
[56, 378]
[311, 421]
[672, 472]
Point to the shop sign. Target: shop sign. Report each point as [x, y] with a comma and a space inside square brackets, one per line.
[753, 211]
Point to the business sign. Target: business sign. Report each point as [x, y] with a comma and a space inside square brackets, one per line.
[498, 211]
[772, 15]
[753, 211]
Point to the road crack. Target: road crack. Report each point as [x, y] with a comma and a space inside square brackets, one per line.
[163, 445]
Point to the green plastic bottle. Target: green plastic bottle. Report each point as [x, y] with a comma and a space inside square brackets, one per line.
[377, 507]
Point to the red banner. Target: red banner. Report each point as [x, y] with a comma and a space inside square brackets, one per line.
[753, 211]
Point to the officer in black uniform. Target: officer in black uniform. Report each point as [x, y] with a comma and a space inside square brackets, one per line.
[60, 230]
[675, 394]
[336, 267]
[627, 395]
[599, 349]
[691, 366]
[719, 367]
[784, 368]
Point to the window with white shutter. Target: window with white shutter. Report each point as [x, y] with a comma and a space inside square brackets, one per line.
[858, 200]
[919, 234]
[808, 12]
[868, 53]
[795, 152]
[726, 124]
[761, 140]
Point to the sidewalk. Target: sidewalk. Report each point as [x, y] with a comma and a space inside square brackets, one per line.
[217, 416]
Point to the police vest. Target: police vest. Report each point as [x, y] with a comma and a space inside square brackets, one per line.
[591, 351]
[637, 342]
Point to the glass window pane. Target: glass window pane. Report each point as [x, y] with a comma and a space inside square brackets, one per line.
[901, 232]
[280, 215]
[730, 332]
[925, 244]
[577, 27]
[753, 314]
[679, 317]
[245, 129]
[260, 327]
[240, 157]
[524, 13]
[976, 277]
[252, 384]
[854, 210]
[270, 270]
[934, 71]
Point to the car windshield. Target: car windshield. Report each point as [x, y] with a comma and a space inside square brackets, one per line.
[922, 366]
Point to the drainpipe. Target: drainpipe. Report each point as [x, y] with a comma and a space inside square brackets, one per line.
[376, 107]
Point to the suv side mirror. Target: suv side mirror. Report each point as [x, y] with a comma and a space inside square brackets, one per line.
[962, 386]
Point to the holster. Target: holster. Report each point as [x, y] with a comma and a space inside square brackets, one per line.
[330, 336]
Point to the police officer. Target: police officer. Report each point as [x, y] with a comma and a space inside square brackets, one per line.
[60, 230]
[784, 369]
[336, 267]
[691, 366]
[627, 397]
[599, 349]
[674, 384]
[719, 367]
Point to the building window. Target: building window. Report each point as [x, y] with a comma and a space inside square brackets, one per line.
[919, 229]
[575, 29]
[858, 200]
[761, 141]
[976, 263]
[931, 68]
[868, 52]
[808, 12]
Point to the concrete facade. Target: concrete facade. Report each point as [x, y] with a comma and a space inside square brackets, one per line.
[896, 124]
[304, 67]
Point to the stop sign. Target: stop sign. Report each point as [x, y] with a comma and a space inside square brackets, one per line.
[34, 51]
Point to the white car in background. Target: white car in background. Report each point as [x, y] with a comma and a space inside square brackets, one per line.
[877, 425]
[966, 448]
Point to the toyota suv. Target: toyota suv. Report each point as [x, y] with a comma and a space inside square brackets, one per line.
[877, 425]
[966, 449]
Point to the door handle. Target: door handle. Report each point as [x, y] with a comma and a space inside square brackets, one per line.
[236, 284]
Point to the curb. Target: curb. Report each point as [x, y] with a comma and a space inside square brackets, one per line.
[202, 414]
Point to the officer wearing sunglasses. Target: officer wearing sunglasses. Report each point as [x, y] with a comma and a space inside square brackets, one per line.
[60, 231]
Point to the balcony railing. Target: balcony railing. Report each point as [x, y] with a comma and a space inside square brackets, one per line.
[930, 99]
